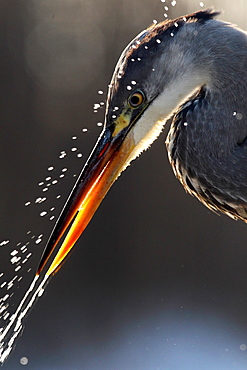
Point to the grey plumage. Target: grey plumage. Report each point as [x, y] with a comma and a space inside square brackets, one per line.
[207, 143]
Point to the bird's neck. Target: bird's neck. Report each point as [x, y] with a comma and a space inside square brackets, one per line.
[208, 57]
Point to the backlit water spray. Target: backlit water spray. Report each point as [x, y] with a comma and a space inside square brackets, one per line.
[15, 325]
[14, 305]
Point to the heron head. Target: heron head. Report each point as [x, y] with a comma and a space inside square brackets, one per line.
[154, 74]
[142, 94]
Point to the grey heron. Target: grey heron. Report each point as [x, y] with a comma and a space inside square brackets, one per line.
[195, 69]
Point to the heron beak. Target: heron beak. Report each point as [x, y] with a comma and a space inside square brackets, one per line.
[103, 167]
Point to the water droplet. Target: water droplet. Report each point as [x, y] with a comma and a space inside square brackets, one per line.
[41, 292]
[132, 59]
[64, 169]
[100, 92]
[74, 149]
[129, 88]
[154, 21]
[158, 41]
[84, 130]
[24, 361]
[62, 154]
[4, 242]
[201, 4]
[50, 168]
[133, 82]
[6, 315]
[243, 347]
[42, 214]
[166, 8]
[79, 155]
[45, 189]
[27, 204]
[99, 124]
[165, 15]
[173, 3]
[74, 137]
[14, 252]
[15, 259]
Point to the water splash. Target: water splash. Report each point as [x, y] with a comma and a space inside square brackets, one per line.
[10, 332]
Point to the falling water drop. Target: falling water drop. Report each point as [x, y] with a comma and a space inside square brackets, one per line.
[42, 214]
[24, 361]
[4, 242]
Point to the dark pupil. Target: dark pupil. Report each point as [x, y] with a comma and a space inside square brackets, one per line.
[135, 100]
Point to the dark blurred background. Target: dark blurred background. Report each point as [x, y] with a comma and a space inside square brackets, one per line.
[157, 281]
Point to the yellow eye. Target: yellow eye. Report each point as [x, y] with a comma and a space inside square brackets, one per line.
[136, 99]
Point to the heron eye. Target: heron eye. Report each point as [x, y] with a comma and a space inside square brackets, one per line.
[136, 99]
